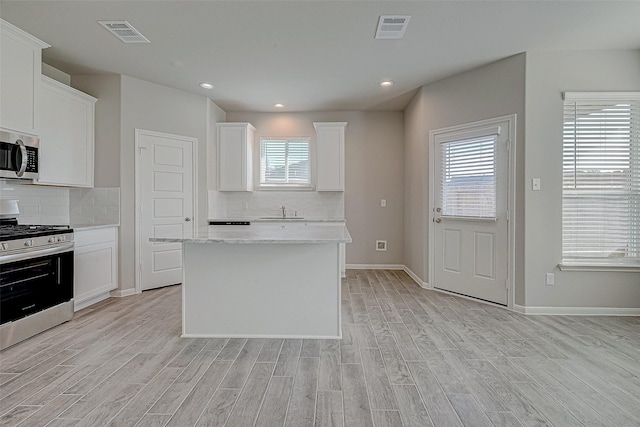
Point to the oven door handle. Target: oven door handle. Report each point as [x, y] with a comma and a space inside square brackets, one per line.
[4, 259]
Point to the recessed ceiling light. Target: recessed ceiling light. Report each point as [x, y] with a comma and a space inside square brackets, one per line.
[387, 83]
[205, 85]
[278, 105]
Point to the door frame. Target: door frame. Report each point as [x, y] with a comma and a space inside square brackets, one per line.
[511, 197]
[138, 193]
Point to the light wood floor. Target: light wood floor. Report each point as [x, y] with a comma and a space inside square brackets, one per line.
[408, 357]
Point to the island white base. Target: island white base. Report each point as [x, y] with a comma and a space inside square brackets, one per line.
[261, 290]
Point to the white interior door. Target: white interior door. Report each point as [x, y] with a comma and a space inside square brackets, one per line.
[471, 249]
[165, 204]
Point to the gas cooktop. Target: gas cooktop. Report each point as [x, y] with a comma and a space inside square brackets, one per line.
[11, 232]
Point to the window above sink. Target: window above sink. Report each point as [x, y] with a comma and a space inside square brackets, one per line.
[285, 163]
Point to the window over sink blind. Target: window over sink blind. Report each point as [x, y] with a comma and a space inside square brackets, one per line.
[601, 177]
[284, 162]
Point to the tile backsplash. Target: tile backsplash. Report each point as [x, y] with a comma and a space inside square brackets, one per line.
[94, 206]
[58, 205]
[308, 204]
[38, 204]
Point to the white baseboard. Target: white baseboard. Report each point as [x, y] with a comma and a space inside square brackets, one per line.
[577, 311]
[119, 293]
[401, 267]
[415, 278]
[375, 267]
[558, 311]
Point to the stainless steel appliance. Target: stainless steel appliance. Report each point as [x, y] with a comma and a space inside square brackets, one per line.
[19, 155]
[36, 279]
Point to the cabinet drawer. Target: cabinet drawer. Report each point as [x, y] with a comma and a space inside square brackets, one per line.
[90, 237]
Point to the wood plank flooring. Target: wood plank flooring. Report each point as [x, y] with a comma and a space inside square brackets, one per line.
[408, 357]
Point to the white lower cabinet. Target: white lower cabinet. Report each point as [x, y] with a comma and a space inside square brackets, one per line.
[95, 265]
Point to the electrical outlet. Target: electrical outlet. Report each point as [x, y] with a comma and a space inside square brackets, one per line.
[383, 203]
[550, 279]
[381, 245]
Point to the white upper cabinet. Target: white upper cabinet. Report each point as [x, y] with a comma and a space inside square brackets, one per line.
[20, 64]
[66, 136]
[330, 156]
[235, 154]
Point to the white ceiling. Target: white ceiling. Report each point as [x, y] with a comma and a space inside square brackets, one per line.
[313, 55]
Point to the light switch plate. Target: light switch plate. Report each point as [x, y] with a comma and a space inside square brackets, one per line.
[535, 184]
[550, 279]
[383, 203]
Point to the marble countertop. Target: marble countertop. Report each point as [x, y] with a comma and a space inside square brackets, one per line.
[287, 220]
[263, 233]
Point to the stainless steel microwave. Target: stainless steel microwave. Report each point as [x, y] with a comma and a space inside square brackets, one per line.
[19, 156]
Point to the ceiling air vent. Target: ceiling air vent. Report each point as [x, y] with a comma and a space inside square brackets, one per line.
[392, 26]
[124, 31]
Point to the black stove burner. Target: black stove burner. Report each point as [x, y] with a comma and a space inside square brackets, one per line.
[11, 232]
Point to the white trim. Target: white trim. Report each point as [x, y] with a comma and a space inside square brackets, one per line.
[120, 293]
[578, 311]
[618, 268]
[511, 196]
[414, 276]
[519, 309]
[194, 189]
[397, 267]
[564, 311]
[375, 267]
[571, 96]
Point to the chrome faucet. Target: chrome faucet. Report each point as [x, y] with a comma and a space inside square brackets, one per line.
[284, 211]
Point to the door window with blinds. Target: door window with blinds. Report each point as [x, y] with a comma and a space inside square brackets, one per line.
[468, 178]
[601, 178]
[285, 162]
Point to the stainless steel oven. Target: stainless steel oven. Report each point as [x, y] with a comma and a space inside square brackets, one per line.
[36, 280]
[19, 156]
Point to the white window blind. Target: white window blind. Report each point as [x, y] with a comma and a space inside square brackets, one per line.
[469, 177]
[601, 177]
[284, 162]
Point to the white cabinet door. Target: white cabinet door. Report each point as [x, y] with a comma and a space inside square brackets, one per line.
[20, 63]
[95, 266]
[67, 136]
[330, 155]
[235, 153]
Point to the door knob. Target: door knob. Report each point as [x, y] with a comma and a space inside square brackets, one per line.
[438, 220]
[187, 219]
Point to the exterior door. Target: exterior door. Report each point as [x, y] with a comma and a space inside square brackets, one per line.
[165, 204]
[471, 249]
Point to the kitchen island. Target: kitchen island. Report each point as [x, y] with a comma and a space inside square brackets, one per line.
[262, 280]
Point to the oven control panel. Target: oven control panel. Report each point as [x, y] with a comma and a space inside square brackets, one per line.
[40, 242]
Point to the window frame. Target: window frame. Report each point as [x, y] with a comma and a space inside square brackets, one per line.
[284, 186]
[604, 263]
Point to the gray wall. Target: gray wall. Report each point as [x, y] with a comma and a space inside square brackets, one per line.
[548, 75]
[494, 90]
[105, 87]
[149, 106]
[373, 169]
